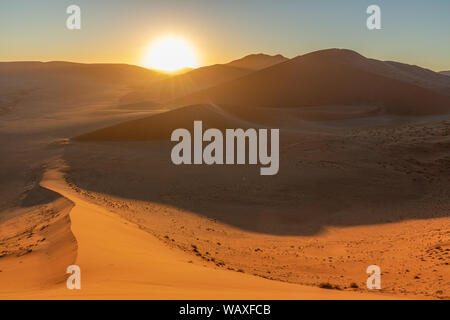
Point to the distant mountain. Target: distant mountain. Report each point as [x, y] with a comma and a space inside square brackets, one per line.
[198, 79]
[186, 83]
[334, 77]
[160, 126]
[67, 71]
[63, 84]
[447, 73]
[413, 74]
[257, 61]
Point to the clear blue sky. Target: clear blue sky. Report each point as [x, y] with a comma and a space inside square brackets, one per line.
[414, 31]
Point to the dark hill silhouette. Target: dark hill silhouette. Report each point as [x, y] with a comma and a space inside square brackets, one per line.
[61, 71]
[446, 73]
[186, 83]
[160, 126]
[202, 78]
[328, 77]
[257, 61]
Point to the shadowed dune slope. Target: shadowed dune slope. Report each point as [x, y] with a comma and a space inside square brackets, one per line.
[258, 61]
[135, 265]
[160, 126]
[446, 73]
[61, 71]
[412, 74]
[186, 83]
[202, 78]
[328, 77]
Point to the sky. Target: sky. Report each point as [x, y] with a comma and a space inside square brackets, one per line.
[119, 31]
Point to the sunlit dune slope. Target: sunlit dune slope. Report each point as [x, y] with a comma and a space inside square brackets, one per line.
[119, 260]
[329, 77]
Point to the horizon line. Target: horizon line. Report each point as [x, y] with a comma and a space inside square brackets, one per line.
[209, 65]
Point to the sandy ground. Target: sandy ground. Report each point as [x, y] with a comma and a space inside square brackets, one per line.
[413, 254]
[346, 197]
[119, 260]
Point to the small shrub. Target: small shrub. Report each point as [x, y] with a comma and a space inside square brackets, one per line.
[326, 285]
[354, 285]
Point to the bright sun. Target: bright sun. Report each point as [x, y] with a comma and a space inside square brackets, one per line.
[170, 54]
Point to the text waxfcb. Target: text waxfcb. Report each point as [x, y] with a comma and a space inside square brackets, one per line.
[238, 309]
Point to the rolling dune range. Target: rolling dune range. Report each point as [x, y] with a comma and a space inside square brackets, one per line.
[363, 179]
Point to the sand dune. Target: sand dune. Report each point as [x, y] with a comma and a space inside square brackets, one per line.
[184, 84]
[112, 73]
[160, 126]
[346, 197]
[36, 246]
[361, 182]
[38, 97]
[329, 77]
[202, 78]
[258, 61]
[66, 83]
[412, 74]
[446, 73]
[132, 264]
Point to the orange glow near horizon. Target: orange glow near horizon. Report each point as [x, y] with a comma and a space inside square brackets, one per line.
[170, 54]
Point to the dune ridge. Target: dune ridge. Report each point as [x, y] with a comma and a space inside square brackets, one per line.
[258, 61]
[181, 85]
[160, 126]
[198, 79]
[323, 78]
[36, 245]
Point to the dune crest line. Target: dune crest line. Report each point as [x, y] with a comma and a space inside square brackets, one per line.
[118, 260]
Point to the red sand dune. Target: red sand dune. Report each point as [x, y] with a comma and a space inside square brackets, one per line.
[184, 84]
[202, 78]
[328, 77]
[258, 61]
[112, 73]
[334, 78]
